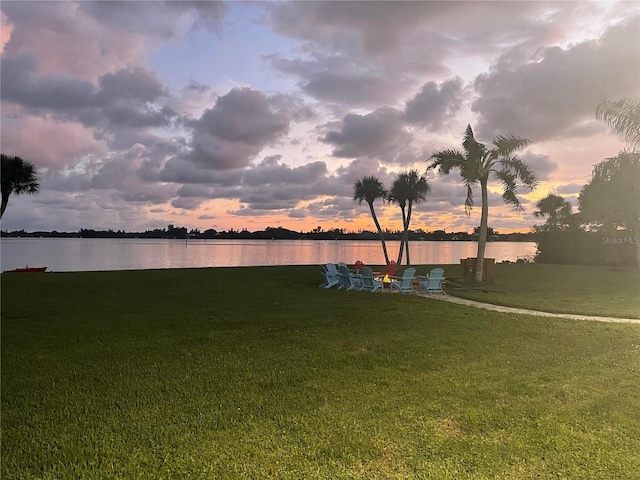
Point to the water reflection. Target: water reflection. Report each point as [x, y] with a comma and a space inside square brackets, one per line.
[92, 254]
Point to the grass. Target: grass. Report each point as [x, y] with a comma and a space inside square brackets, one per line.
[587, 290]
[256, 373]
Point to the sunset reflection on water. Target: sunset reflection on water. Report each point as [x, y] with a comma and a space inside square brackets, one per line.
[84, 254]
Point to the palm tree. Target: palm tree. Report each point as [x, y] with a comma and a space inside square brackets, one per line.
[624, 117]
[476, 164]
[408, 189]
[398, 194]
[17, 176]
[555, 208]
[370, 189]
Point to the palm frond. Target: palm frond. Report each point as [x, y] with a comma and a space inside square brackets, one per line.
[468, 201]
[623, 116]
[447, 160]
[509, 181]
[506, 145]
[509, 197]
[18, 176]
[475, 150]
[522, 171]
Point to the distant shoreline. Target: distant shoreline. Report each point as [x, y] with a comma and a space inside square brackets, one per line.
[272, 234]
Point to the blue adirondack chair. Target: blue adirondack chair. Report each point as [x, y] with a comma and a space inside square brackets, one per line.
[331, 276]
[433, 283]
[404, 284]
[347, 281]
[368, 282]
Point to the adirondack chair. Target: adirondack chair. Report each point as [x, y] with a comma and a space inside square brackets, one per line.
[347, 281]
[433, 283]
[331, 277]
[368, 282]
[404, 284]
[392, 267]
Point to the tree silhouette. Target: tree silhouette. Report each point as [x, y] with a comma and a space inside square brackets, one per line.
[408, 189]
[612, 198]
[370, 189]
[17, 176]
[556, 210]
[478, 164]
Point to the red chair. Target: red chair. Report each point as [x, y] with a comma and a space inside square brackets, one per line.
[392, 267]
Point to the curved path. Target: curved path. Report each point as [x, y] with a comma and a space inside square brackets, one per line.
[503, 309]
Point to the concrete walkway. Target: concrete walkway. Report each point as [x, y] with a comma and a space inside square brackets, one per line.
[503, 309]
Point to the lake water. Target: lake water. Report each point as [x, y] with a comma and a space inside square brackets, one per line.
[96, 254]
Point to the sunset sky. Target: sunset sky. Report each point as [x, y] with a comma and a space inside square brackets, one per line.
[248, 115]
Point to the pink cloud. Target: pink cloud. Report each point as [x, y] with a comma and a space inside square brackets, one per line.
[68, 41]
[5, 31]
[49, 145]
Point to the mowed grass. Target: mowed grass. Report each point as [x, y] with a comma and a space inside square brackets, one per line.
[257, 373]
[587, 290]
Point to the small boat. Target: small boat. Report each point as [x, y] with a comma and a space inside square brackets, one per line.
[27, 269]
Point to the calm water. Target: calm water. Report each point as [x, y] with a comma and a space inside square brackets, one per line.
[94, 254]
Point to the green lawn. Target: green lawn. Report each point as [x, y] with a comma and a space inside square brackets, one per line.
[256, 373]
[604, 291]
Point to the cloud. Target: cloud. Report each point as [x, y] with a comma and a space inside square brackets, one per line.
[404, 39]
[191, 100]
[570, 189]
[271, 171]
[552, 94]
[162, 19]
[120, 174]
[181, 170]
[341, 79]
[58, 145]
[21, 84]
[68, 41]
[235, 130]
[130, 84]
[379, 134]
[382, 27]
[541, 164]
[124, 99]
[268, 185]
[435, 104]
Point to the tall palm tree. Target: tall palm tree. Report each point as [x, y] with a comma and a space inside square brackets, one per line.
[408, 189]
[370, 189]
[398, 194]
[478, 164]
[17, 176]
[624, 117]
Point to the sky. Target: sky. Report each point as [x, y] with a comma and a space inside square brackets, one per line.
[250, 115]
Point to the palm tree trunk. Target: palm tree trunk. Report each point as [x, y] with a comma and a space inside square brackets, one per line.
[404, 229]
[482, 240]
[5, 201]
[384, 245]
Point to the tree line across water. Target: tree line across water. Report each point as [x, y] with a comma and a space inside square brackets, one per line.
[275, 233]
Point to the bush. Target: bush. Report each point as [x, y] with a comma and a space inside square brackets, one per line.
[575, 246]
